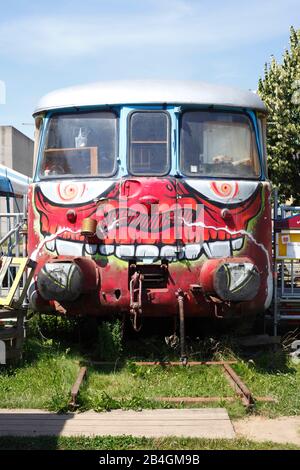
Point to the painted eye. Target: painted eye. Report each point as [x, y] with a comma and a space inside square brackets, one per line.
[69, 191]
[73, 192]
[225, 189]
[228, 192]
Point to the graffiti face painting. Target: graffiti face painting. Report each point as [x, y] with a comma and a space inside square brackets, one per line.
[168, 221]
[222, 211]
[135, 205]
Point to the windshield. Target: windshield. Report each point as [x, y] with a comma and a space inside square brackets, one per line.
[80, 144]
[218, 144]
[149, 143]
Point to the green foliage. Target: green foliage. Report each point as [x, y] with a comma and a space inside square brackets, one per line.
[32, 327]
[44, 379]
[134, 443]
[55, 327]
[48, 371]
[135, 387]
[103, 401]
[109, 347]
[280, 90]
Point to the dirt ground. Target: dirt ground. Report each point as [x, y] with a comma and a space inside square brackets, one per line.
[258, 428]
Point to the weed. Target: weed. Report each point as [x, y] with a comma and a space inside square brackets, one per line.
[43, 380]
[134, 443]
[49, 369]
[109, 346]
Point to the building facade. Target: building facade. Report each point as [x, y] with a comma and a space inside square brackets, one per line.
[16, 150]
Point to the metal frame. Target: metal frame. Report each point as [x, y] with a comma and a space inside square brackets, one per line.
[22, 263]
[9, 262]
[234, 380]
[76, 386]
[13, 335]
[286, 298]
[16, 273]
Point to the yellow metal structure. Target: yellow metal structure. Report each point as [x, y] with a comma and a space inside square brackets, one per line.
[21, 265]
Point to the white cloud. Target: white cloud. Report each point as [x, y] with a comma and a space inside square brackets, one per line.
[206, 26]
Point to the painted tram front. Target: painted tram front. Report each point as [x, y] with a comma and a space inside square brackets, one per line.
[148, 196]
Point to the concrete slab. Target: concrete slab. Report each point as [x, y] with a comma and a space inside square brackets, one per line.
[212, 423]
[284, 430]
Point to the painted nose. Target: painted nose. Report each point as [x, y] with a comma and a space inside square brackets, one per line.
[148, 200]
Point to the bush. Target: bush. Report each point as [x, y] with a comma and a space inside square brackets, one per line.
[46, 326]
[109, 346]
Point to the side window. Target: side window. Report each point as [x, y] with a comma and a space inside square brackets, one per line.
[39, 120]
[149, 143]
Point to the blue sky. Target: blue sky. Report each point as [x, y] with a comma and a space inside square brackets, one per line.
[46, 45]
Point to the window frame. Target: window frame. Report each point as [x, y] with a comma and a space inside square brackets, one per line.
[62, 112]
[263, 127]
[169, 133]
[225, 177]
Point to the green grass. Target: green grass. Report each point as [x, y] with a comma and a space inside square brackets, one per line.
[133, 443]
[276, 376]
[44, 380]
[137, 386]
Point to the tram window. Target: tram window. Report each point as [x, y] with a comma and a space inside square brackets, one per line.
[218, 144]
[149, 143]
[80, 144]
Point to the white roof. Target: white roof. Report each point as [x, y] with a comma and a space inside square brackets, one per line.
[149, 92]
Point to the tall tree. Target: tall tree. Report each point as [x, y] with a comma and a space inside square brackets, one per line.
[280, 90]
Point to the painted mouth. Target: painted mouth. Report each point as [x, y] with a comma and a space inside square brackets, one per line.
[210, 249]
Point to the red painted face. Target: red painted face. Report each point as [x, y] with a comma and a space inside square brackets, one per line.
[153, 209]
[223, 220]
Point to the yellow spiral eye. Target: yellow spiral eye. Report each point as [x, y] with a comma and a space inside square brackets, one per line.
[224, 189]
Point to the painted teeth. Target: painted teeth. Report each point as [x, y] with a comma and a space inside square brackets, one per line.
[67, 248]
[206, 250]
[125, 251]
[90, 249]
[237, 243]
[192, 251]
[107, 250]
[219, 249]
[168, 252]
[147, 252]
[50, 245]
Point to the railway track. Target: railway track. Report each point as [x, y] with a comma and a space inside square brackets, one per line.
[241, 390]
